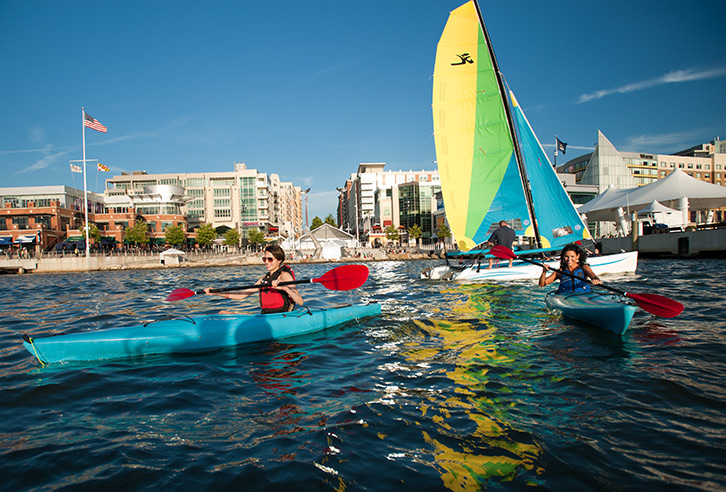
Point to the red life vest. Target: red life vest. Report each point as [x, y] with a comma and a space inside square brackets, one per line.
[273, 300]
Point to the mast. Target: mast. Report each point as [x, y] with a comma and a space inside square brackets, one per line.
[85, 188]
[510, 123]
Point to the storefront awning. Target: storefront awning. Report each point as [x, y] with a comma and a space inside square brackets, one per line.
[25, 239]
[6, 239]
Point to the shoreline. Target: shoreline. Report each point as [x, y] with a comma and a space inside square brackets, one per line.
[121, 263]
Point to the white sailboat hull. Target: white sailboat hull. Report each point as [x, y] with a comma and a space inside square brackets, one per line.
[617, 263]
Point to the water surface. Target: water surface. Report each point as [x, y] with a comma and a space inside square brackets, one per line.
[454, 387]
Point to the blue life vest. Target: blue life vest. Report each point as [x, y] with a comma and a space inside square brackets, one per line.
[578, 284]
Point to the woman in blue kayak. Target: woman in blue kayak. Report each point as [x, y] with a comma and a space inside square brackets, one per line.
[573, 259]
[276, 298]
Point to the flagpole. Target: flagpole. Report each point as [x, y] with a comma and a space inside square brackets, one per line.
[556, 147]
[85, 188]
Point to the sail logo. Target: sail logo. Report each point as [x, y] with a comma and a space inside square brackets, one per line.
[464, 58]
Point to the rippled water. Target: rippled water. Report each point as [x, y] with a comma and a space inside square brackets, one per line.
[455, 387]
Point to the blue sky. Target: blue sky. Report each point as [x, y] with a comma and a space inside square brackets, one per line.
[309, 90]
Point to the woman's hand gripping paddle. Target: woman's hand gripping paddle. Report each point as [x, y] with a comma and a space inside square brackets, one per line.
[345, 277]
[662, 306]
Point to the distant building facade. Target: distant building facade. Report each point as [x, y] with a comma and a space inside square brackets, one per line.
[607, 166]
[242, 199]
[374, 199]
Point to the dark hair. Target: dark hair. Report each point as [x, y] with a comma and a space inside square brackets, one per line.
[578, 251]
[276, 251]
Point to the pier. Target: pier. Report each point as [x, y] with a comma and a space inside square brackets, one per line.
[688, 244]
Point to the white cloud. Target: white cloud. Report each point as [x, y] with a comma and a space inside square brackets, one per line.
[669, 78]
[665, 141]
[37, 134]
[42, 163]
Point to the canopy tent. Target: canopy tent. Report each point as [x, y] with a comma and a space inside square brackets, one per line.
[669, 191]
[172, 252]
[656, 207]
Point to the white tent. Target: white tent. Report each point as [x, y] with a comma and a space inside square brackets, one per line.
[669, 191]
[330, 239]
[656, 207]
[661, 214]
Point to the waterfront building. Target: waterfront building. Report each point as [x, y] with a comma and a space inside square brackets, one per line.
[242, 199]
[606, 166]
[40, 217]
[374, 199]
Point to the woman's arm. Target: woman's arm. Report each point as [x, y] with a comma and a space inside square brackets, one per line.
[544, 279]
[290, 289]
[591, 275]
[237, 296]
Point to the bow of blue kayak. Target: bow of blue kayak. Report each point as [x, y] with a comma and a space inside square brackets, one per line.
[606, 311]
[191, 334]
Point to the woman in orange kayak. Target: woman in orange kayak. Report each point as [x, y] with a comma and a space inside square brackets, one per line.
[573, 259]
[276, 298]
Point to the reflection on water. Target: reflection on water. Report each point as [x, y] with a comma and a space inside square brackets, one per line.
[468, 431]
[454, 387]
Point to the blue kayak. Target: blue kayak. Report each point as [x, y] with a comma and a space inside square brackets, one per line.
[191, 334]
[606, 311]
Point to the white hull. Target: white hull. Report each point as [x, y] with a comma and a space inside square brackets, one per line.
[601, 265]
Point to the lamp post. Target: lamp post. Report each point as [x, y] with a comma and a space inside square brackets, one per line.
[306, 208]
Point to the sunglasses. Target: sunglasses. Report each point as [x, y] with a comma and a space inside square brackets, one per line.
[268, 258]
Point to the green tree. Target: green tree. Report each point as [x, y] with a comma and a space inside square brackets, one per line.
[317, 222]
[93, 233]
[443, 232]
[175, 235]
[137, 233]
[231, 238]
[392, 233]
[256, 237]
[331, 220]
[415, 232]
[206, 235]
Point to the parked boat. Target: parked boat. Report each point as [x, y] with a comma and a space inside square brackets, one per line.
[491, 163]
[607, 311]
[191, 334]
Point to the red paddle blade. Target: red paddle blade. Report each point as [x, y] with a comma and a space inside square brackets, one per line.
[179, 294]
[346, 277]
[659, 305]
[502, 252]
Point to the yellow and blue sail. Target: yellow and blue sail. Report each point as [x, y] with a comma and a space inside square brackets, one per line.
[481, 180]
[558, 221]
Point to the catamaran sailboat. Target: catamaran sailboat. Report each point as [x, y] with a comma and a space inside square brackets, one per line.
[492, 165]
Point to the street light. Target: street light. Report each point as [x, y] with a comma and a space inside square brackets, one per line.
[306, 208]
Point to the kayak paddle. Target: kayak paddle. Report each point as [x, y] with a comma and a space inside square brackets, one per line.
[345, 277]
[662, 306]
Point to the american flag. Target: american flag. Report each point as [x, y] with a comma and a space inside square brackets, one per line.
[91, 122]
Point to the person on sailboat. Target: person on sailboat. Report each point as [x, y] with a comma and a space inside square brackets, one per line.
[504, 236]
[573, 259]
[276, 298]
